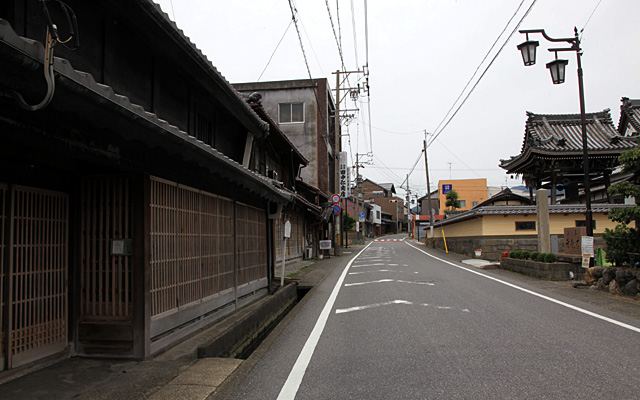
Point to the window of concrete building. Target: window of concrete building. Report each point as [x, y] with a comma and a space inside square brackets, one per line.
[474, 203]
[526, 226]
[291, 112]
[463, 203]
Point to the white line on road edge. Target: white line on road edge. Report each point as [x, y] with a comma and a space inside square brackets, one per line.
[292, 384]
[582, 310]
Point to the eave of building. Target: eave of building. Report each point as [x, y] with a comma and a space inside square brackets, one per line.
[559, 136]
[79, 94]
[233, 101]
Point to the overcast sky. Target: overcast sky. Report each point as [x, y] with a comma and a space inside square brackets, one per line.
[421, 54]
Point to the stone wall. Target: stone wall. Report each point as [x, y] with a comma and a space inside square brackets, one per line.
[493, 246]
[557, 271]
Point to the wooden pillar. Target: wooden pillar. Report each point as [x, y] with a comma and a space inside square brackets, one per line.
[553, 186]
[607, 183]
[141, 266]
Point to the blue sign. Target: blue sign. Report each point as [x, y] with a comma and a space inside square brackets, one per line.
[447, 188]
[361, 215]
[336, 209]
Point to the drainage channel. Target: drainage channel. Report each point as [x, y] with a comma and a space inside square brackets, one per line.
[256, 340]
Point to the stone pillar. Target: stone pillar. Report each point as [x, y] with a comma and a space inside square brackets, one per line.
[542, 205]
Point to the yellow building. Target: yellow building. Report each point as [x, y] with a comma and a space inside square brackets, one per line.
[471, 192]
[506, 228]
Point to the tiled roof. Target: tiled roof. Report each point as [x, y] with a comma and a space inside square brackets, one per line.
[629, 115]
[561, 135]
[523, 210]
[21, 51]
[163, 19]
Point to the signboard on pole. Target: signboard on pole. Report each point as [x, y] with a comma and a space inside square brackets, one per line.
[344, 175]
[336, 209]
[287, 229]
[335, 198]
[587, 246]
[325, 244]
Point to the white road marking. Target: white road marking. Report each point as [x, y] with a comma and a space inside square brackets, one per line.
[392, 302]
[389, 280]
[370, 265]
[368, 272]
[292, 384]
[531, 292]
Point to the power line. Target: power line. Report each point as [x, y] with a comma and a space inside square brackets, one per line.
[355, 39]
[335, 35]
[274, 50]
[484, 72]
[589, 19]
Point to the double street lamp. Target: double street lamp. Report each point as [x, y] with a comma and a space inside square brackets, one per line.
[557, 69]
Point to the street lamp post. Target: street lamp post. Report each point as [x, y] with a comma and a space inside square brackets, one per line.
[557, 69]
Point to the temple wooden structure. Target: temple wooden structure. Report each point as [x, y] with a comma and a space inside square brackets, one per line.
[552, 154]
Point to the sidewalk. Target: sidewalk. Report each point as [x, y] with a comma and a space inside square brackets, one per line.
[175, 374]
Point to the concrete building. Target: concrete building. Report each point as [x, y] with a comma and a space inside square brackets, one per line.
[305, 111]
[471, 192]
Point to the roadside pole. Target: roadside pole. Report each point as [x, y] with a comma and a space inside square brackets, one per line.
[287, 235]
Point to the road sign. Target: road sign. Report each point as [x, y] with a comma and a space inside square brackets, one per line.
[335, 198]
[336, 209]
[446, 188]
[361, 215]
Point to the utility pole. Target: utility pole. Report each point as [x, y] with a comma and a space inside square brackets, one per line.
[354, 92]
[408, 200]
[337, 221]
[426, 166]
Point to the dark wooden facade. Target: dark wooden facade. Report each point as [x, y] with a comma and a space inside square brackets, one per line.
[128, 215]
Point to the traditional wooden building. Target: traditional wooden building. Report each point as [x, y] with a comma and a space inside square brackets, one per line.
[552, 155]
[629, 124]
[130, 213]
[278, 158]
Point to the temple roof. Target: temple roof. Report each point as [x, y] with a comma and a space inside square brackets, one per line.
[560, 136]
[629, 117]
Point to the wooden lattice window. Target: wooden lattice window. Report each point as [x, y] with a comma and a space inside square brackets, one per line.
[252, 243]
[106, 278]
[192, 251]
[38, 280]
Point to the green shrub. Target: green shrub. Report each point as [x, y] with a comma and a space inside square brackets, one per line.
[526, 254]
[540, 257]
[550, 258]
[534, 255]
[516, 254]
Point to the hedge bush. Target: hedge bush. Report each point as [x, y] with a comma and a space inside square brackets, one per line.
[516, 254]
[540, 257]
[550, 258]
[526, 254]
[534, 255]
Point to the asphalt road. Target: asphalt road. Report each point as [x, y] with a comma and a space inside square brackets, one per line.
[393, 322]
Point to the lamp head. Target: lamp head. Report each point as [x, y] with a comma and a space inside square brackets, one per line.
[528, 50]
[557, 69]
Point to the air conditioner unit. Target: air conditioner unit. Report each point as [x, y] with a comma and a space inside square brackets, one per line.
[308, 253]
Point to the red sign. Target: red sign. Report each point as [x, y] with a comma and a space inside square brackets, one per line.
[336, 209]
[335, 198]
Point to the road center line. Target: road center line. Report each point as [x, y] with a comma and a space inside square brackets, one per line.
[531, 292]
[292, 384]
